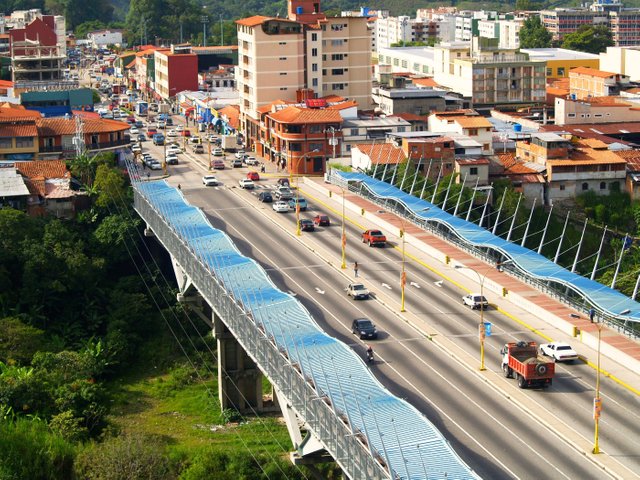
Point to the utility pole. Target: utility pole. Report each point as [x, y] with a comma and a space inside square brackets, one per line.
[204, 19]
[221, 31]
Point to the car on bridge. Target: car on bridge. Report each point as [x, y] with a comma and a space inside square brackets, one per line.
[374, 238]
[475, 301]
[246, 184]
[298, 201]
[253, 176]
[210, 180]
[172, 159]
[284, 193]
[364, 328]
[280, 207]
[559, 351]
[358, 291]
[322, 220]
[307, 225]
[265, 197]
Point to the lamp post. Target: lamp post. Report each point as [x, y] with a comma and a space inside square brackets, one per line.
[403, 275]
[597, 401]
[481, 330]
[343, 239]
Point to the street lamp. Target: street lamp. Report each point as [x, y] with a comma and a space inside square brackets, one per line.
[481, 329]
[343, 239]
[597, 401]
[403, 275]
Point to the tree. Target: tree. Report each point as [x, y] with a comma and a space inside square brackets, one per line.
[110, 186]
[18, 342]
[589, 38]
[533, 34]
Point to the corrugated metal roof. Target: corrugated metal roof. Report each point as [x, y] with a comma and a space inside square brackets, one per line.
[12, 183]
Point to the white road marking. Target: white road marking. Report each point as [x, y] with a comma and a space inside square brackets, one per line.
[386, 285]
[321, 292]
[414, 284]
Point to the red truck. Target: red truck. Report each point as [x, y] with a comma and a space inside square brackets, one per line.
[374, 238]
[521, 360]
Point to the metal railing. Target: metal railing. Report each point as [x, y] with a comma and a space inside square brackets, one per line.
[314, 407]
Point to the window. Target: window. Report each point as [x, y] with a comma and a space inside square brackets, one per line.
[5, 142]
[354, 132]
[337, 86]
[395, 62]
[473, 171]
[314, 52]
[562, 187]
[549, 72]
[283, 88]
[314, 82]
[314, 37]
[337, 56]
[282, 43]
[283, 73]
[603, 186]
[404, 64]
[561, 71]
[473, 131]
[316, 129]
[316, 146]
[283, 58]
[314, 67]
[585, 186]
[337, 71]
[571, 115]
[24, 142]
[337, 43]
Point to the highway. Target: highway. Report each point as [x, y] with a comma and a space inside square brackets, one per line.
[495, 436]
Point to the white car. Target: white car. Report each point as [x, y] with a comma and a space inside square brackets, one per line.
[239, 154]
[134, 130]
[172, 133]
[210, 180]
[357, 291]
[173, 150]
[280, 207]
[135, 148]
[251, 161]
[217, 152]
[559, 351]
[172, 159]
[475, 301]
[179, 128]
[247, 184]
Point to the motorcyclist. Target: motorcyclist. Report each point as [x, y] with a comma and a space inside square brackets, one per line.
[369, 353]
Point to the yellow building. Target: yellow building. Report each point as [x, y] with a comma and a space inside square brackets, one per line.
[560, 60]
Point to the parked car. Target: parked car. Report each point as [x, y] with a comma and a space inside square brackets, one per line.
[134, 131]
[298, 201]
[364, 328]
[239, 154]
[236, 163]
[141, 137]
[280, 207]
[475, 301]
[357, 291]
[250, 160]
[197, 148]
[559, 351]
[322, 220]
[218, 164]
[172, 159]
[217, 152]
[210, 180]
[174, 149]
[246, 184]
[154, 165]
[135, 148]
[307, 225]
[265, 197]
[254, 176]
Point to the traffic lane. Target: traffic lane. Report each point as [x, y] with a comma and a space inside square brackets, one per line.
[306, 284]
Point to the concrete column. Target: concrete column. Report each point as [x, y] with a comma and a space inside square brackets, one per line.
[239, 379]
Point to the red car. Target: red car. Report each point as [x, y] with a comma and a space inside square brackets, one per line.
[186, 133]
[253, 176]
[322, 220]
[151, 132]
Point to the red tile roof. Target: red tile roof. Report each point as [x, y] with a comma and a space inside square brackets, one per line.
[425, 82]
[51, 127]
[296, 115]
[592, 72]
[17, 111]
[632, 157]
[252, 21]
[383, 153]
[410, 117]
[232, 112]
[37, 171]
[18, 129]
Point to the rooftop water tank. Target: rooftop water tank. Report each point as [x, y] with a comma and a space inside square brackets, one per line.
[364, 11]
[298, 10]
[517, 127]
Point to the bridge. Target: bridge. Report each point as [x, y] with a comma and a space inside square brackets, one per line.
[319, 382]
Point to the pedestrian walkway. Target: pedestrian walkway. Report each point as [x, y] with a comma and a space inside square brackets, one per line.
[541, 314]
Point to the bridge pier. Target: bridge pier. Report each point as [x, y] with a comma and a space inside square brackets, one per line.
[239, 379]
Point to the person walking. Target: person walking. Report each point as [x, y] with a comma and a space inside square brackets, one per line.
[592, 314]
[355, 269]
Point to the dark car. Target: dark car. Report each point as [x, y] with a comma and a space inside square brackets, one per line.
[364, 328]
[139, 124]
[283, 182]
[141, 137]
[265, 197]
[322, 220]
[307, 225]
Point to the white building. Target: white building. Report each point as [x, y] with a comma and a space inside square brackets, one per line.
[417, 60]
[622, 60]
[103, 38]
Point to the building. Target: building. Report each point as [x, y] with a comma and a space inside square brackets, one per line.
[589, 82]
[176, 70]
[415, 60]
[622, 60]
[573, 168]
[464, 122]
[624, 23]
[381, 155]
[300, 138]
[560, 60]
[595, 110]
[409, 99]
[57, 103]
[362, 130]
[103, 38]
[489, 76]
[306, 52]
[49, 186]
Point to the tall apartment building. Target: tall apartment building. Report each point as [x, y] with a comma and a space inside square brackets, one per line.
[624, 23]
[308, 51]
[397, 30]
[487, 75]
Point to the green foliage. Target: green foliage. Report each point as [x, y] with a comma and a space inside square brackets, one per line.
[110, 186]
[589, 38]
[18, 341]
[127, 456]
[533, 34]
[29, 451]
[84, 28]
[77, 12]
[339, 166]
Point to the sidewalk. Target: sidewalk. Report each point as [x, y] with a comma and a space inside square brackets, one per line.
[529, 309]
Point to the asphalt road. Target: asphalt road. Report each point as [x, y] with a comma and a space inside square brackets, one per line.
[495, 437]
